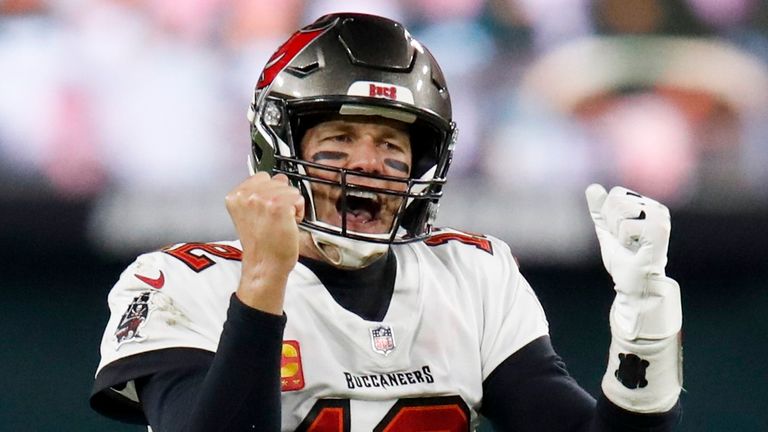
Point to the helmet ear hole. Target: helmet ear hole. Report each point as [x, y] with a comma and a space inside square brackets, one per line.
[426, 142]
[258, 153]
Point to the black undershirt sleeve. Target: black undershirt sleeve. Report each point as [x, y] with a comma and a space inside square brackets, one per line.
[113, 379]
[240, 390]
[532, 391]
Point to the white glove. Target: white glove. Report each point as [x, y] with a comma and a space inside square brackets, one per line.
[633, 232]
[644, 371]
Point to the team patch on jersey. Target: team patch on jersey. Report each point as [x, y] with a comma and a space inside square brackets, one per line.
[291, 372]
[133, 319]
[382, 339]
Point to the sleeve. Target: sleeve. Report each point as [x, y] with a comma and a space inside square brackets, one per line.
[168, 320]
[159, 303]
[115, 392]
[512, 315]
[238, 388]
[155, 324]
[533, 391]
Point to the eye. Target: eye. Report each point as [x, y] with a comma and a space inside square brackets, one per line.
[393, 147]
[340, 138]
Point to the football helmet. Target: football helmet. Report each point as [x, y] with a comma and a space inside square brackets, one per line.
[355, 64]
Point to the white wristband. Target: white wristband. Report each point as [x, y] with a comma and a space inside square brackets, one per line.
[644, 376]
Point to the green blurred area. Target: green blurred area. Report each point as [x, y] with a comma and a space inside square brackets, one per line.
[53, 311]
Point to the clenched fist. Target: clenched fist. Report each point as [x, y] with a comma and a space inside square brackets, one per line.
[633, 231]
[265, 211]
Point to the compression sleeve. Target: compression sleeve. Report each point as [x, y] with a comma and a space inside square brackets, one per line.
[532, 391]
[240, 390]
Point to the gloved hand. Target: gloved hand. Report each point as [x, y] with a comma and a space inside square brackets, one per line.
[633, 232]
[644, 372]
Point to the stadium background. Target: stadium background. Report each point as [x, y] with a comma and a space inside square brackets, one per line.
[122, 126]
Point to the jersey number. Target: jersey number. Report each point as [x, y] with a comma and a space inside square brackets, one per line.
[475, 240]
[445, 413]
[195, 255]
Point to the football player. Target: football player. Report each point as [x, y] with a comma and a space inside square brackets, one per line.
[342, 308]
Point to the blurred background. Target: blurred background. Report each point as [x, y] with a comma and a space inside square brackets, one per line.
[122, 127]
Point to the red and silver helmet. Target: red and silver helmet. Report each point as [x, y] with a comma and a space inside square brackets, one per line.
[355, 64]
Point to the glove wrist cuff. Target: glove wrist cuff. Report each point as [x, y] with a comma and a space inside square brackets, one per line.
[651, 312]
[644, 377]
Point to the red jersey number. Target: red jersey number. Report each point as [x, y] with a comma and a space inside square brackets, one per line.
[476, 240]
[445, 413]
[197, 256]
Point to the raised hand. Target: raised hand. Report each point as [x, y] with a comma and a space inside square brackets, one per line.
[265, 211]
[633, 231]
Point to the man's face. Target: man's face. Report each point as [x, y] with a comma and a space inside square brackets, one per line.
[368, 144]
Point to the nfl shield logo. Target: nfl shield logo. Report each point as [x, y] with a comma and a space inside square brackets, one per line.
[382, 339]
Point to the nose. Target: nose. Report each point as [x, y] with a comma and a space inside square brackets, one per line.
[365, 156]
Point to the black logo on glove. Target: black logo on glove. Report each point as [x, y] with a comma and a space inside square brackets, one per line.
[631, 371]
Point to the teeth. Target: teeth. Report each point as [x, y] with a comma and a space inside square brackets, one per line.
[362, 194]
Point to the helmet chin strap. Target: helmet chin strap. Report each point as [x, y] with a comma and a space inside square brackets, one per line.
[347, 253]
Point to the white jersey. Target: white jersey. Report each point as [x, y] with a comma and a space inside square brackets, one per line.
[459, 308]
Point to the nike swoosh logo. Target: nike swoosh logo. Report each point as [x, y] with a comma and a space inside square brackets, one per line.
[154, 283]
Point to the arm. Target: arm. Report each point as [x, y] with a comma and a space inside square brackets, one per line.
[644, 367]
[241, 390]
[265, 211]
[532, 391]
[191, 387]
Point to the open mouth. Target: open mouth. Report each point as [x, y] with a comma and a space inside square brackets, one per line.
[361, 206]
